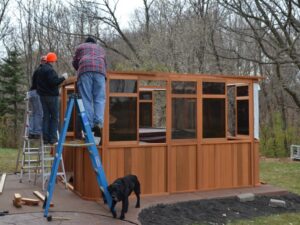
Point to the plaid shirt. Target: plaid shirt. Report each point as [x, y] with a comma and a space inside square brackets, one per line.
[89, 57]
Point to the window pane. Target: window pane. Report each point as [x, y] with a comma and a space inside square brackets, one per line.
[213, 88]
[179, 87]
[71, 124]
[153, 119]
[123, 120]
[242, 91]
[123, 86]
[243, 117]
[145, 114]
[145, 95]
[213, 118]
[231, 107]
[184, 118]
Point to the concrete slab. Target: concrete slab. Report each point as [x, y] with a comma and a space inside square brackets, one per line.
[67, 204]
[247, 197]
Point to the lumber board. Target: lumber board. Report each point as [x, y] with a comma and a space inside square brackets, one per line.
[17, 200]
[30, 201]
[70, 187]
[2, 182]
[40, 196]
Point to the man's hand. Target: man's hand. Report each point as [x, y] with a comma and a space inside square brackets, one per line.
[65, 75]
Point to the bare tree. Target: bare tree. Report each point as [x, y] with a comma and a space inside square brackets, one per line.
[4, 20]
[275, 28]
[105, 13]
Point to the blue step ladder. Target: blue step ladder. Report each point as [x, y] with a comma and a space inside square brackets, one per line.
[89, 143]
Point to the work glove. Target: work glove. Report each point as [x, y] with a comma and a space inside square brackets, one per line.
[65, 75]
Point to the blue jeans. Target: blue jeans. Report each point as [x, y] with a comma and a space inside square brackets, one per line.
[91, 86]
[50, 118]
[36, 115]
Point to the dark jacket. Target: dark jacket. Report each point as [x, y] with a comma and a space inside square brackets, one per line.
[34, 79]
[48, 81]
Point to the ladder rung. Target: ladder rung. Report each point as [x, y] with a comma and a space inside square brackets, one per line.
[31, 161]
[34, 167]
[30, 153]
[31, 148]
[30, 167]
[49, 146]
[78, 144]
[57, 174]
[49, 159]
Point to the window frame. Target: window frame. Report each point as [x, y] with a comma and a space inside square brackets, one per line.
[214, 96]
[238, 98]
[184, 96]
[123, 94]
[151, 101]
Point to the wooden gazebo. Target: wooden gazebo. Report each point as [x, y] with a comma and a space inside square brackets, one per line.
[176, 132]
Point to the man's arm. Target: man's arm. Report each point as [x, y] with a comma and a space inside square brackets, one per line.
[54, 80]
[34, 80]
[76, 59]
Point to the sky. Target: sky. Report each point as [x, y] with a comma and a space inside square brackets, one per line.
[124, 12]
[126, 9]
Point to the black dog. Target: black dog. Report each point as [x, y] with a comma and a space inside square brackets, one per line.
[120, 190]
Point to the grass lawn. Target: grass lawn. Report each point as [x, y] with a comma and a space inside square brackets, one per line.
[8, 159]
[281, 174]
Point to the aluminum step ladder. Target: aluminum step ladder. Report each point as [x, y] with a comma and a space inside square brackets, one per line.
[35, 156]
[46, 161]
[74, 99]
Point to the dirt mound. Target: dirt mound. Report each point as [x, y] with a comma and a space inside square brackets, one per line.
[216, 211]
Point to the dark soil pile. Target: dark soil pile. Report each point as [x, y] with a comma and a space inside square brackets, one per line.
[216, 211]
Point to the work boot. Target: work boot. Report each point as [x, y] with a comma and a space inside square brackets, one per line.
[97, 133]
[34, 136]
[97, 130]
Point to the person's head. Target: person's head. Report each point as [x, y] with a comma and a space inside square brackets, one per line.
[43, 59]
[51, 57]
[90, 40]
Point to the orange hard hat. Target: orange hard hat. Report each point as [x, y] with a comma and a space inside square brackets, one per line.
[51, 57]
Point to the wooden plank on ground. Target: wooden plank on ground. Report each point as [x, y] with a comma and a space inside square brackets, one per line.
[17, 200]
[40, 196]
[68, 185]
[30, 201]
[2, 182]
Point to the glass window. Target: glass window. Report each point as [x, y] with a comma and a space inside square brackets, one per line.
[180, 87]
[242, 91]
[213, 118]
[71, 124]
[123, 119]
[152, 113]
[231, 113]
[184, 118]
[243, 117]
[123, 86]
[145, 114]
[213, 88]
[145, 95]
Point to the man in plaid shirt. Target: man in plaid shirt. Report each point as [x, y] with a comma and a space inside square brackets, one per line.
[90, 63]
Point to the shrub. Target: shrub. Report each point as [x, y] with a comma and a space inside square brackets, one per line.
[274, 140]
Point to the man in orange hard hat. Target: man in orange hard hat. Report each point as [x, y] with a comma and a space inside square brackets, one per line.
[47, 86]
[35, 106]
